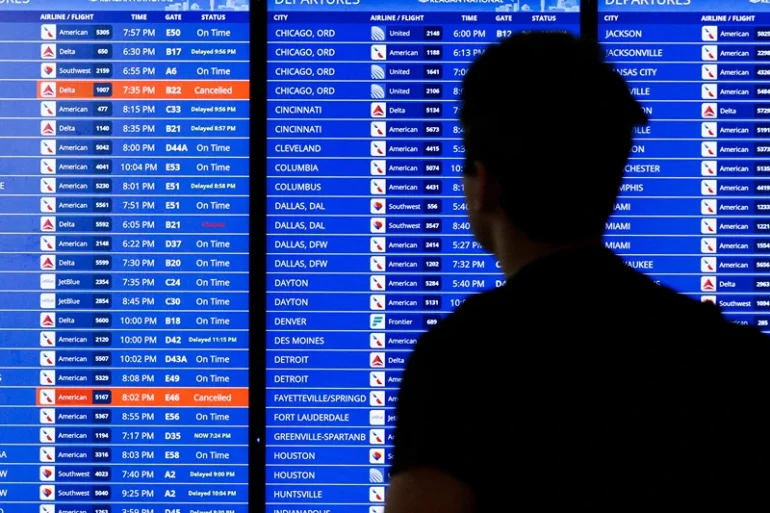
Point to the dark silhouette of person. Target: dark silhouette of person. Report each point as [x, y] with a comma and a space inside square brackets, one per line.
[580, 384]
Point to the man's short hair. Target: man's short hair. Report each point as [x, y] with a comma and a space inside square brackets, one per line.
[553, 124]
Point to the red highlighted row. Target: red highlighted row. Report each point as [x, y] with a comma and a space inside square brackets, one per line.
[143, 397]
[149, 90]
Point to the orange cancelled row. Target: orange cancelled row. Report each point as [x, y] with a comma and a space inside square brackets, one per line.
[151, 90]
[142, 397]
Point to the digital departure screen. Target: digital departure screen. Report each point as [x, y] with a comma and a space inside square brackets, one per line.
[368, 244]
[124, 241]
[694, 207]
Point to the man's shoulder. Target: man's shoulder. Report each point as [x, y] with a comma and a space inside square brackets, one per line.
[478, 315]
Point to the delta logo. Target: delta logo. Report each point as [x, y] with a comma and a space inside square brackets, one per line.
[48, 51]
[48, 90]
[47, 320]
[709, 110]
[47, 263]
[47, 224]
[378, 109]
[708, 283]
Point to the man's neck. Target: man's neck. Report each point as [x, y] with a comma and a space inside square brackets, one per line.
[514, 255]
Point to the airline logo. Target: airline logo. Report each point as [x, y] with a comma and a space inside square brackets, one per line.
[48, 281]
[377, 340]
[47, 416]
[709, 52]
[48, 32]
[708, 110]
[48, 109]
[378, 186]
[377, 436]
[47, 358]
[708, 264]
[47, 435]
[47, 396]
[47, 205]
[377, 92]
[709, 92]
[47, 492]
[709, 72]
[47, 224]
[377, 302]
[376, 379]
[47, 128]
[48, 243]
[48, 147]
[708, 168]
[48, 89]
[377, 72]
[379, 109]
[377, 417]
[377, 33]
[377, 282]
[378, 129]
[48, 51]
[708, 283]
[708, 245]
[376, 494]
[708, 129]
[708, 187]
[47, 474]
[377, 206]
[377, 398]
[376, 456]
[47, 166]
[47, 300]
[708, 149]
[377, 360]
[47, 339]
[378, 225]
[378, 149]
[376, 509]
[376, 321]
[48, 378]
[708, 226]
[377, 263]
[709, 33]
[47, 320]
[708, 207]
[44, 508]
[377, 168]
[379, 52]
[377, 245]
[47, 454]
[708, 299]
[376, 476]
[48, 185]
[47, 70]
[47, 262]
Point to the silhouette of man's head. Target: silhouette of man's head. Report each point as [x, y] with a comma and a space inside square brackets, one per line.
[547, 132]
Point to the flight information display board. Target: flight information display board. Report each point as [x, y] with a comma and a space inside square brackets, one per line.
[368, 243]
[693, 212]
[124, 240]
